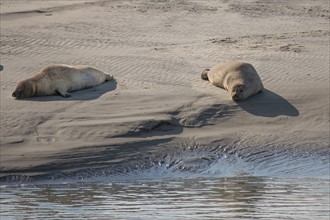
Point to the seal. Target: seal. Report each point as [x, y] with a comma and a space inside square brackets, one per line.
[239, 78]
[60, 79]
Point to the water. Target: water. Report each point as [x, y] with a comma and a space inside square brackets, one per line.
[191, 184]
[202, 198]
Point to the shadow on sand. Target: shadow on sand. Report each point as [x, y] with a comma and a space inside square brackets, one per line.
[268, 104]
[85, 94]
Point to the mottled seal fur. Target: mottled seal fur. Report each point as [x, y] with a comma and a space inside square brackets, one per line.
[60, 79]
[239, 78]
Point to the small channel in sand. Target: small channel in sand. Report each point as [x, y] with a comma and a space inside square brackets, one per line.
[191, 162]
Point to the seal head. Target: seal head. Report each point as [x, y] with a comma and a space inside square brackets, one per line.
[237, 92]
[23, 90]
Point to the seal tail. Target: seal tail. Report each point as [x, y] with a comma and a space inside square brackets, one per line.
[204, 74]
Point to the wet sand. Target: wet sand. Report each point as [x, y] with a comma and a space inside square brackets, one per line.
[158, 103]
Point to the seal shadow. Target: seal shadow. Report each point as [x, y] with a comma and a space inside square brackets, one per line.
[84, 94]
[268, 104]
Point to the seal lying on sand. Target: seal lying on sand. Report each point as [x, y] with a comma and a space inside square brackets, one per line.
[60, 79]
[239, 78]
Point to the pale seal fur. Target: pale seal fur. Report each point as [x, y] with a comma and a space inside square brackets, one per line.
[60, 79]
[239, 78]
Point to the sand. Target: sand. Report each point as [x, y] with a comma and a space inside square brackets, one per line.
[158, 103]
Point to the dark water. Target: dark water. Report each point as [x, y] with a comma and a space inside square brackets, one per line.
[193, 184]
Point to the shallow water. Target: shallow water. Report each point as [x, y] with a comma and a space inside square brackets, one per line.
[199, 198]
[191, 184]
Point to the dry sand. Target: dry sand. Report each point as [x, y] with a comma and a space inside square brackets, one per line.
[156, 50]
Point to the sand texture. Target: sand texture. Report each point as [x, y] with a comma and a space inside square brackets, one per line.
[158, 103]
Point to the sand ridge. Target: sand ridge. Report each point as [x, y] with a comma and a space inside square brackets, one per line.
[156, 50]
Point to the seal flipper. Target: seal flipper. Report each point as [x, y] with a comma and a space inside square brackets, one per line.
[63, 92]
[204, 74]
[108, 77]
